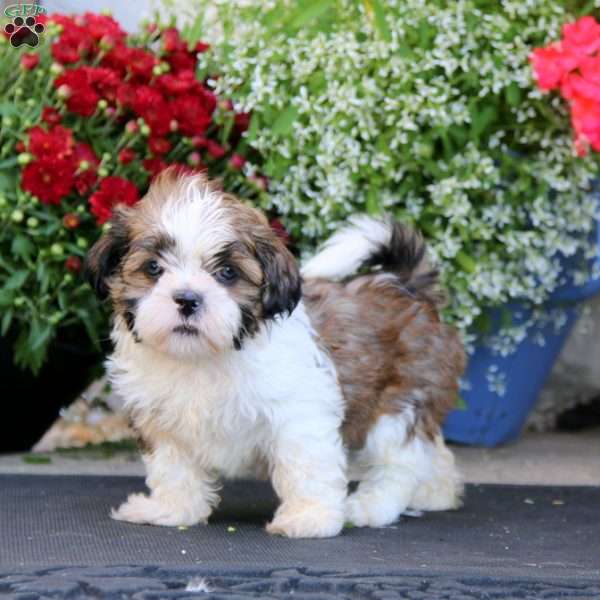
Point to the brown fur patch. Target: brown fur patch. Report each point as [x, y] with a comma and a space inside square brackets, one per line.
[391, 352]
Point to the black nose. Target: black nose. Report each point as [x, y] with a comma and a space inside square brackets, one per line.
[188, 302]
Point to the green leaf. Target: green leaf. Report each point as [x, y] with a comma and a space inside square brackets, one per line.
[22, 247]
[6, 321]
[482, 118]
[8, 162]
[284, 121]
[40, 334]
[373, 202]
[466, 262]
[16, 280]
[513, 94]
[309, 11]
[380, 20]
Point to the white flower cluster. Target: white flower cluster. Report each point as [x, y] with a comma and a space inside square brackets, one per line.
[438, 122]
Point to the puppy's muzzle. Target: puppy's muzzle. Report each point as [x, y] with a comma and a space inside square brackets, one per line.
[188, 302]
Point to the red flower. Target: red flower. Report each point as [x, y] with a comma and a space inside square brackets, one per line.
[172, 42]
[104, 81]
[113, 190]
[73, 264]
[57, 142]
[152, 107]
[154, 166]
[551, 64]
[30, 60]
[125, 95]
[50, 115]
[242, 121]
[215, 149]
[180, 83]
[201, 47]
[74, 44]
[237, 162]
[71, 221]
[126, 156]
[193, 112]
[85, 178]
[100, 26]
[140, 64]
[159, 146]
[20, 146]
[117, 58]
[50, 179]
[582, 36]
[181, 61]
[81, 96]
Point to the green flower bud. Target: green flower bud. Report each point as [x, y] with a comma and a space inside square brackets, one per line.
[102, 104]
[103, 172]
[56, 249]
[55, 318]
[106, 227]
[30, 102]
[3, 201]
[80, 208]
[106, 156]
[84, 165]
[18, 91]
[19, 301]
[34, 200]
[145, 130]
[32, 222]
[156, 70]
[56, 68]
[106, 12]
[24, 158]
[8, 121]
[17, 216]
[68, 278]
[82, 243]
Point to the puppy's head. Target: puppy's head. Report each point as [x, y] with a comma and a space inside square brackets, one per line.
[191, 270]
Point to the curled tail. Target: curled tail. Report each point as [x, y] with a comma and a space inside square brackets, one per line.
[381, 246]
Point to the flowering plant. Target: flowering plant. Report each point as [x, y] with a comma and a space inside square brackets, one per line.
[88, 118]
[428, 110]
[573, 67]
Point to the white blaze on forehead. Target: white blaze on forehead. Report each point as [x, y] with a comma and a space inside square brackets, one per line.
[197, 219]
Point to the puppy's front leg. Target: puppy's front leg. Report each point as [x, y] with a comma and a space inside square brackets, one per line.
[309, 476]
[181, 493]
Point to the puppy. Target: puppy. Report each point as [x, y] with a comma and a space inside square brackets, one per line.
[229, 370]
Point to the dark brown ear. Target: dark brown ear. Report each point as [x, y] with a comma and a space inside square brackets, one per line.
[282, 287]
[106, 254]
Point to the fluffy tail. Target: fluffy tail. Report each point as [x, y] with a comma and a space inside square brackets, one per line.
[381, 246]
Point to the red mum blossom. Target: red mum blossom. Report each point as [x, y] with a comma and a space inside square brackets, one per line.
[85, 178]
[76, 86]
[153, 108]
[57, 142]
[113, 190]
[242, 121]
[20, 146]
[50, 115]
[201, 47]
[181, 61]
[237, 162]
[154, 166]
[30, 60]
[71, 221]
[73, 264]
[126, 156]
[140, 64]
[125, 95]
[100, 26]
[159, 146]
[215, 149]
[74, 44]
[172, 42]
[180, 83]
[50, 179]
[104, 81]
[193, 112]
[117, 58]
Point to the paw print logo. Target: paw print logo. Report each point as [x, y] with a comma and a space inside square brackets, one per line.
[24, 31]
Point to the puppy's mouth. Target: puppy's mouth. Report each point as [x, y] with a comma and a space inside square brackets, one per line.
[188, 330]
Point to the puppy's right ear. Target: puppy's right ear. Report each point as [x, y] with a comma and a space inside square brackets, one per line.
[106, 254]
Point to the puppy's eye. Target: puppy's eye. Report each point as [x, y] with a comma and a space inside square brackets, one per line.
[153, 269]
[226, 274]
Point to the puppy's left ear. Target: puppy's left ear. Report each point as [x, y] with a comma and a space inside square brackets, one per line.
[282, 287]
[105, 255]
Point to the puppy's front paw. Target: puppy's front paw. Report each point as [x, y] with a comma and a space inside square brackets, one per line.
[307, 519]
[370, 510]
[140, 508]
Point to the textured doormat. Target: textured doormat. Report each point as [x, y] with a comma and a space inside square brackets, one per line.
[57, 540]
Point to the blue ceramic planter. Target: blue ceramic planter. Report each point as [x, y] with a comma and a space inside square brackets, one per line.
[503, 390]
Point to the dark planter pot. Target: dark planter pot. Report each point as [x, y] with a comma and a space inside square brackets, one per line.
[32, 403]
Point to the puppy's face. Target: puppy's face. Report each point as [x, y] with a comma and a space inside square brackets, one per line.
[192, 271]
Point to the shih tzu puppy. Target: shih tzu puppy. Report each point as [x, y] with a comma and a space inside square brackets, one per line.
[229, 368]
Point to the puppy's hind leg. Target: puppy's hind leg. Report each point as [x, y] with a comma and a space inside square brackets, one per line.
[396, 464]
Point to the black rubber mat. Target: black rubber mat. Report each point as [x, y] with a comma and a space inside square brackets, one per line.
[537, 534]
